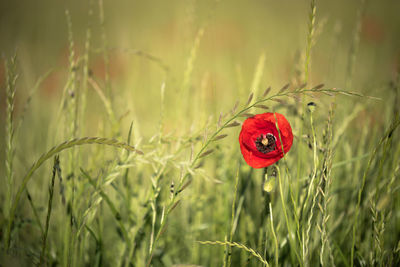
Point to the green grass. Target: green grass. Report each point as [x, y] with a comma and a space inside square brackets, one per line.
[126, 152]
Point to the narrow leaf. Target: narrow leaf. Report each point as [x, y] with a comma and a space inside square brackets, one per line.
[219, 137]
[284, 88]
[248, 115]
[205, 135]
[278, 100]
[191, 152]
[233, 124]
[319, 86]
[261, 106]
[302, 86]
[166, 225]
[199, 165]
[219, 120]
[208, 152]
[294, 96]
[185, 185]
[249, 100]
[174, 206]
[235, 107]
[130, 134]
[328, 93]
[266, 91]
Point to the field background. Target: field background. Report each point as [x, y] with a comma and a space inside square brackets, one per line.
[164, 76]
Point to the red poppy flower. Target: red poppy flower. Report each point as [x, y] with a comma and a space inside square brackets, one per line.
[260, 142]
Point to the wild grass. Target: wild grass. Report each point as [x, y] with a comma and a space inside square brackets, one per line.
[178, 192]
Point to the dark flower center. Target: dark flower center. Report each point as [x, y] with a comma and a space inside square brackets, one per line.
[266, 143]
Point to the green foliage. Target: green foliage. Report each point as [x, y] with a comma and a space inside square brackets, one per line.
[165, 184]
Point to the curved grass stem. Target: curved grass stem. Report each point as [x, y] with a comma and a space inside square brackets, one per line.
[182, 183]
[53, 151]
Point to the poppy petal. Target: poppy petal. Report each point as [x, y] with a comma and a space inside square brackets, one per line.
[261, 125]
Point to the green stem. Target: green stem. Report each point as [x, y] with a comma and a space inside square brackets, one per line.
[49, 206]
[182, 183]
[53, 151]
[388, 133]
[274, 235]
[286, 216]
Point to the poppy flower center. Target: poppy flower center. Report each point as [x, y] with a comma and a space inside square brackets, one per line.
[265, 143]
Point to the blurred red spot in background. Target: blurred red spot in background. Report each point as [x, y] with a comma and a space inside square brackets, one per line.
[52, 84]
[372, 29]
[116, 66]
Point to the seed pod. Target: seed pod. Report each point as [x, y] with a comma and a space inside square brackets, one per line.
[269, 184]
[311, 106]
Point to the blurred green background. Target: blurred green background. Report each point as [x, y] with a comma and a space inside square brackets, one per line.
[236, 35]
[209, 54]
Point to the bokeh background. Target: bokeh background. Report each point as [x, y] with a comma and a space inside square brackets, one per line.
[237, 35]
[205, 55]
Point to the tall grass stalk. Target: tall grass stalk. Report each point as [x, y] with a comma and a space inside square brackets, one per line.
[53, 151]
[310, 191]
[56, 166]
[85, 75]
[129, 208]
[228, 252]
[258, 73]
[202, 153]
[187, 76]
[310, 36]
[274, 236]
[355, 43]
[288, 222]
[387, 134]
[11, 79]
[104, 49]
[324, 189]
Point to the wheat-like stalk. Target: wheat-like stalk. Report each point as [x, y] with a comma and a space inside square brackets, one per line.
[53, 151]
[192, 59]
[11, 79]
[258, 75]
[325, 190]
[311, 30]
[388, 133]
[274, 236]
[355, 42]
[311, 190]
[187, 97]
[231, 122]
[85, 75]
[56, 168]
[104, 49]
[227, 258]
